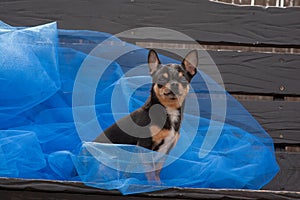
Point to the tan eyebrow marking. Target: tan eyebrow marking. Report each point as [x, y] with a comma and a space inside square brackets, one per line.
[180, 74]
[166, 75]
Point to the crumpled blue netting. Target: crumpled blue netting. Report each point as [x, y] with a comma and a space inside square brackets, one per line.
[38, 138]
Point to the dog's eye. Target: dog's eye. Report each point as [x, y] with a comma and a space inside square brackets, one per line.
[162, 79]
[183, 79]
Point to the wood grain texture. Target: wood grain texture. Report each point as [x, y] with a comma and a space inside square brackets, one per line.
[242, 72]
[202, 20]
[263, 73]
[43, 189]
[280, 119]
[288, 178]
[247, 72]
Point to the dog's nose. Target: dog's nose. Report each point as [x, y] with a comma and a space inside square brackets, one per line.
[175, 88]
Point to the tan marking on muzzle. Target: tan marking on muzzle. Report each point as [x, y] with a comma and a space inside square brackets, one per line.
[167, 102]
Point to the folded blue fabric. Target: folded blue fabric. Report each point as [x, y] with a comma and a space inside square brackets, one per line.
[29, 68]
[40, 135]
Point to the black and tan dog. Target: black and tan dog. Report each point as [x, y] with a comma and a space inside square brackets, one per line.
[160, 117]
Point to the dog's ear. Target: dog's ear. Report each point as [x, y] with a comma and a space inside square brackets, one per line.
[190, 63]
[153, 61]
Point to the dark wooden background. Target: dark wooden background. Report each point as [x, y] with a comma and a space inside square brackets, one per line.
[256, 49]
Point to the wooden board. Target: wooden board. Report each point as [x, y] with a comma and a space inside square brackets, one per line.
[280, 119]
[41, 189]
[202, 20]
[250, 72]
[242, 72]
[288, 178]
[259, 73]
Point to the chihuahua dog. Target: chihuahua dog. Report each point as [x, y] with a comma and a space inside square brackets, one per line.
[160, 128]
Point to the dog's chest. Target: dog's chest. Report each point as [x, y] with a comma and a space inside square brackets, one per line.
[173, 116]
[166, 139]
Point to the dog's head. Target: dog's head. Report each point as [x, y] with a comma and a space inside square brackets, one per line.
[171, 82]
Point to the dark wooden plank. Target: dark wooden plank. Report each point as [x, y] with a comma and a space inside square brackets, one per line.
[242, 72]
[247, 72]
[288, 178]
[42, 189]
[263, 73]
[34, 195]
[281, 119]
[202, 20]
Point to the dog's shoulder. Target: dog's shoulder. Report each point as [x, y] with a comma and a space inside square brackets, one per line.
[120, 132]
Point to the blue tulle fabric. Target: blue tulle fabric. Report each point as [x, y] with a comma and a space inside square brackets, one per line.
[39, 137]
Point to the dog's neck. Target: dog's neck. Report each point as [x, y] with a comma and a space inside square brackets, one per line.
[174, 115]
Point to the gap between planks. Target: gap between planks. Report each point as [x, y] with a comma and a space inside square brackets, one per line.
[219, 47]
[292, 148]
[257, 97]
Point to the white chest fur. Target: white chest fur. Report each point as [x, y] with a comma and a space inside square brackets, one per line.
[173, 115]
[172, 137]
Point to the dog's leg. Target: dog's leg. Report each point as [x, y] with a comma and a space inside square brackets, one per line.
[156, 167]
[151, 177]
[149, 164]
[152, 167]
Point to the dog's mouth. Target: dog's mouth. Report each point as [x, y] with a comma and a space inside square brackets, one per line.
[171, 95]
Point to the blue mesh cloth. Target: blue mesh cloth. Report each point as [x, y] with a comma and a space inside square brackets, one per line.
[39, 135]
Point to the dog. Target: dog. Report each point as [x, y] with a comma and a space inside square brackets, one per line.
[160, 129]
